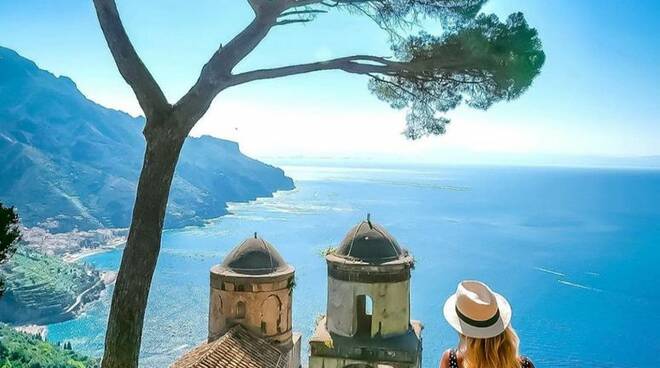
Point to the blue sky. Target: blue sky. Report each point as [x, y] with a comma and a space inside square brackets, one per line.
[598, 93]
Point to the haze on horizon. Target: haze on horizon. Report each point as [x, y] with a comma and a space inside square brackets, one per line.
[597, 94]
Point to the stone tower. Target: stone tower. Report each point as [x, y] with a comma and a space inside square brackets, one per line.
[252, 287]
[249, 312]
[368, 310]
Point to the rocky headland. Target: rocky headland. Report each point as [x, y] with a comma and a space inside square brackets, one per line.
[70, 166]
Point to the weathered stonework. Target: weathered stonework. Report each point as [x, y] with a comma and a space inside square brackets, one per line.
[261, 304]
[368, 311]
[251, 289]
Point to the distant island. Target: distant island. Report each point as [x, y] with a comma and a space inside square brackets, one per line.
[70, 166]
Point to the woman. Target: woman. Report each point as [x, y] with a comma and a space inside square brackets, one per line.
[483, 321]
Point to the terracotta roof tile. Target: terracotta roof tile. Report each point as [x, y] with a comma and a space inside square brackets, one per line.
[235, 349]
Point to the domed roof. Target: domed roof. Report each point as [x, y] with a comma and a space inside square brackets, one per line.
[255, 256]
[369, 242]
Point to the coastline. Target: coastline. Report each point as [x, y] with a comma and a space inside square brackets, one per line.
[73, 247]
[82, 254]
[35, 330]
[49, 281]
[79, 304]
[106, 278]
[44, 289]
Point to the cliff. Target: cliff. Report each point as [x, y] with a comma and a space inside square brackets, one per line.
[68, 162]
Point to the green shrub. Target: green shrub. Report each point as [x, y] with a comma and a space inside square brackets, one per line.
[19, 350]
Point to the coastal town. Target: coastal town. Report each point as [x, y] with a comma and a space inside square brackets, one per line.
[48, 280]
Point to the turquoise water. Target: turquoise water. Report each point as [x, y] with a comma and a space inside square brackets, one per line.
[575, 251]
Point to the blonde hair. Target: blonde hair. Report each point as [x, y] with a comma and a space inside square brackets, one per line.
[500, 351]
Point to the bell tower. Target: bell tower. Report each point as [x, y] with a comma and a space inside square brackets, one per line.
[368, 308]
[249, 312]
[253, 287]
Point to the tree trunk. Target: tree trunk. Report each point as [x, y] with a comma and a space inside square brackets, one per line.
[122, 342]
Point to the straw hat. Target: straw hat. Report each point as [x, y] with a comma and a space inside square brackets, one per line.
[476, 311]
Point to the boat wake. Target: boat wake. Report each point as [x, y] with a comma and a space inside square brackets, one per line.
[579, 286]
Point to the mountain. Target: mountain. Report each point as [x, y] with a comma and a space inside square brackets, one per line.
[67, 162]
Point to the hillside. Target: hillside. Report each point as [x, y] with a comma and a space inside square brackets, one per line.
[22, 350]
[68, 162]
[44, 289]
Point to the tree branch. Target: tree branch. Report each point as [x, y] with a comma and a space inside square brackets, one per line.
[351, 64]
[146, 89]
[216, 74]
[298, 3]
[303, 12]
[292, 21]
[254, 4]
[392, 84]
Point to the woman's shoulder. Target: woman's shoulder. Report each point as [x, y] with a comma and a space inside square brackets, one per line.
[449, 359]
[525, 362]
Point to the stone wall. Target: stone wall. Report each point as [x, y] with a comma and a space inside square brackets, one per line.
[263, 307]
[390, 311]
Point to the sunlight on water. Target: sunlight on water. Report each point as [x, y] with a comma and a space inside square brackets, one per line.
[575, 252]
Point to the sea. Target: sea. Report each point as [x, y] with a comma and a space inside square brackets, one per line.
[575, 250]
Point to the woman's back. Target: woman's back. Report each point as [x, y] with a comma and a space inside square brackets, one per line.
[482, 319]
[454, 359]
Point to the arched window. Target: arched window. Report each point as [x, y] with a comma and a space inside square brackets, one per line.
[240, 310]
[271, 316]
[364, 311]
